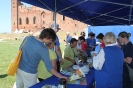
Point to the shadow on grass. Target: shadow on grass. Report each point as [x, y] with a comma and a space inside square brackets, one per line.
[3, 75]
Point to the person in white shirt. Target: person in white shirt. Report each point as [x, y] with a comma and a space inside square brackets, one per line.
[81, 40]
[75, 36]
[109, 64]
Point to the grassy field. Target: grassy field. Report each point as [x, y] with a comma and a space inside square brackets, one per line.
[8, 50]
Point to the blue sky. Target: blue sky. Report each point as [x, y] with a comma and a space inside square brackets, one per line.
[5, 16]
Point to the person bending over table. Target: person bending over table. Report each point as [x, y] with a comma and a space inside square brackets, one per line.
[70, 53]
[109, 64]
[35, 50]
[42, 71]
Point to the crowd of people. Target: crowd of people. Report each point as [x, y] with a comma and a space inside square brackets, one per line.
[42, 55]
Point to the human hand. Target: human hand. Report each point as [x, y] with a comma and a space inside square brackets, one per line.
[128, 60]
[82, 59]
[93, 54]
[61, 61]
[67, 79]
[73, 61]
[92, 48]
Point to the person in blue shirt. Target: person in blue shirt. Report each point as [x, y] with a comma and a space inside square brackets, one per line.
[68, 38]
[109, 64]
[91, 42]
[59, 54]
[33, 51]
[57, 48]
[127, 48]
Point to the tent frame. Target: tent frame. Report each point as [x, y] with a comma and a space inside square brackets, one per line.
[97, 17]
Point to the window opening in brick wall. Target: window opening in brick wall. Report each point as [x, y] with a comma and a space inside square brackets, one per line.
[27, 20]
[63, 18]
[20, 21]
[34, 20]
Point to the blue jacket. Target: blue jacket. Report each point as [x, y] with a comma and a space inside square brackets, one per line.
[110, 76]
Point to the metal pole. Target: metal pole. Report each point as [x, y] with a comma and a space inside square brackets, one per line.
[55, 17]
[130, 13]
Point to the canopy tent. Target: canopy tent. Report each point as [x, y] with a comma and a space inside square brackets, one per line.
[93, 12]
[115, 29]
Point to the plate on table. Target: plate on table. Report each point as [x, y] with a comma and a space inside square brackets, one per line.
[49, 86]
[89, 60]
[94, 52]
[65, 72]
[76, 67]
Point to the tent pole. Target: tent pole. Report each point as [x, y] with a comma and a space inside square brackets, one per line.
[130, 13]
[55, 17]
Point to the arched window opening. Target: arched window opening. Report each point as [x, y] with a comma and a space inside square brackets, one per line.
[27, 20]
[43, 22]
[63, 18]
[34, 20]
[20, 21]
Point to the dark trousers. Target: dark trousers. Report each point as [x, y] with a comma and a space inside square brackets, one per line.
[58, 66]
[39, 79]
[126, 79]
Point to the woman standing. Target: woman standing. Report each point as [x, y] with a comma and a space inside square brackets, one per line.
[91, 43]
[100, 39]
[109, 64]
[127, 48]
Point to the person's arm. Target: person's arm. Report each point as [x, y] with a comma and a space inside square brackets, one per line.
[54, 65]
[69, 59]
[129, 56]
[128, 60]
[99, 60]
[58, 51]
[45, 57]
[54, 72]
[80, 50]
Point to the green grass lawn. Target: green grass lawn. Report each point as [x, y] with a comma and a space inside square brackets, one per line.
[8, 50]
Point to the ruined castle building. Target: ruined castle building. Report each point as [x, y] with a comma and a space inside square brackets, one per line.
[34, 18]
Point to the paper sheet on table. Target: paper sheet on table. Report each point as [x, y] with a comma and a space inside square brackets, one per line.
[76, 67]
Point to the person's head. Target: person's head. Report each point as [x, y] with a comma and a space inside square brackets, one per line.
[67, 33]
[82, 34]
[109, 38]
[91, 35]
[100, 37]
[73, 43]
[55, 27]
[81, 40]
[58, 29]
[47, 35]
[124, 37]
